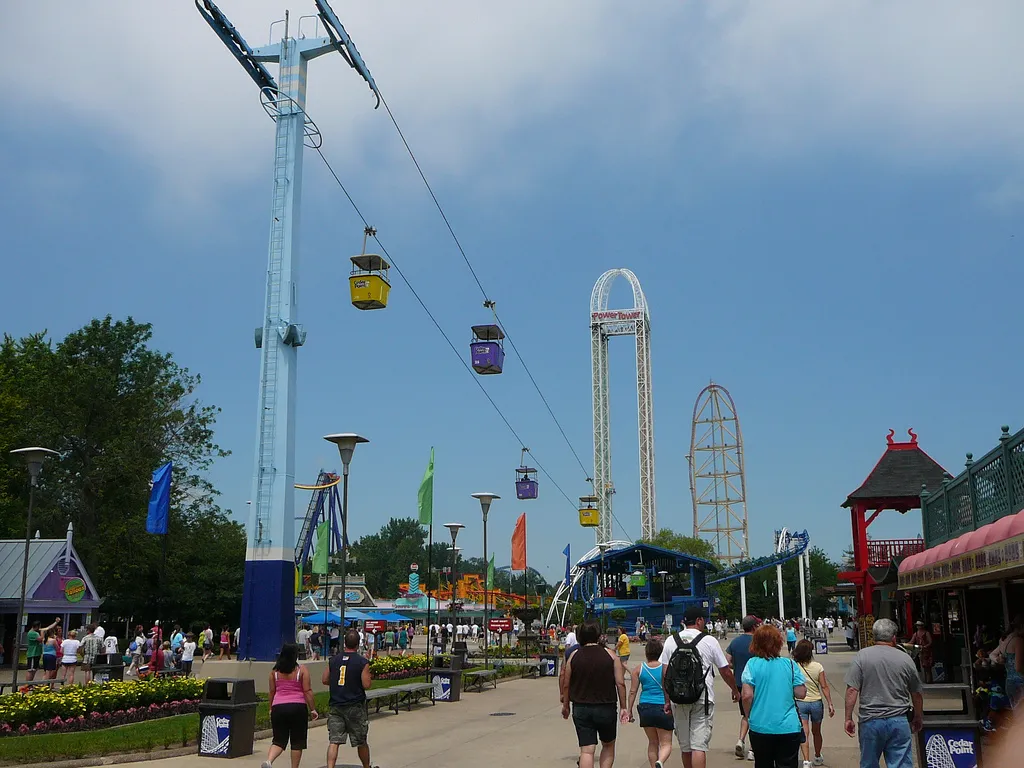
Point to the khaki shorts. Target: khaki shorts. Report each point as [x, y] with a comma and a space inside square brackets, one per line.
[350, 720]
[693, 726]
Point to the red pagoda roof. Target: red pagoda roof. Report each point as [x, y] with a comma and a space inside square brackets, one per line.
[899, 476]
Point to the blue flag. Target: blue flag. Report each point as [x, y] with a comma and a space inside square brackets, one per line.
[566, 553]
[160, 500]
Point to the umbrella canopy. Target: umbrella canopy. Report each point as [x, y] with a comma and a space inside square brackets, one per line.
[395, 617]
[322, 617]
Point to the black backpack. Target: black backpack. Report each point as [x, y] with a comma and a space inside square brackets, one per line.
[685, 677]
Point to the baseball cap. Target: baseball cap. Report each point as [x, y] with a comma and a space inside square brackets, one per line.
[694, 612]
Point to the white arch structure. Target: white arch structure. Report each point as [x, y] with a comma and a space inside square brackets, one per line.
[605, 323]
[564, 594]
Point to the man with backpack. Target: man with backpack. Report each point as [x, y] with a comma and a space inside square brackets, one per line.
[690, 658]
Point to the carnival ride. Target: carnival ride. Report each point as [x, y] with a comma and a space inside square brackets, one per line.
[324, 506]
[718, 480]
[605, 323]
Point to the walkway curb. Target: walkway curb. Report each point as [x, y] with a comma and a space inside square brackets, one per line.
[140, 757]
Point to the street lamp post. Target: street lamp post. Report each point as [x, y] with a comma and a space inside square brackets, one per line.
[34, 460]
[485, 506]
[453, 529]
[346, 442]
[663, 574]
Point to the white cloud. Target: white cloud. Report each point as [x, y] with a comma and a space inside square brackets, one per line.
[919, 81]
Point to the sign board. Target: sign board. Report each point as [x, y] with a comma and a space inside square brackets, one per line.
[442, 687]
[74, 590]
[500, 625]
[375, 625]
[617, 314]
[949, 747]
[609, 591]
[215, 735]
[988, 561]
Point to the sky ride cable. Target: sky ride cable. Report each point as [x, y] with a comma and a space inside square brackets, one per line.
[437, 325]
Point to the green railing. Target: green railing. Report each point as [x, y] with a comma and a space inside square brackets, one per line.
[985, 491]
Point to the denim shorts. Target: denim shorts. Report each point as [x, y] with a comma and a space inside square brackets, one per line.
[593, 722]
[811, 710]
[654, 716]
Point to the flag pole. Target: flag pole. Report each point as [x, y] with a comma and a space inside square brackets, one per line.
[430, 555]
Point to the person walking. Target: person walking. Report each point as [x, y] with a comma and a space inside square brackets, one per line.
[348, 675]
[885, 680]
[790, 637]
[188, 654]
[225, 644]
[699, 656]
[622, 648]
[291, 706]
[592, 681]
[69, 657]
[771, 686]
[738, 654]
[811, 708]
[656, 722]
[922, 638]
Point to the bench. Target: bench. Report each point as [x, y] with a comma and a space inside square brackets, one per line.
[531, 668]
[478, 678]
[411, 693]
[380, 697]
[22, 683]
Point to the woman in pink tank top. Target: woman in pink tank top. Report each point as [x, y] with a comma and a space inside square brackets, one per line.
[291, 705]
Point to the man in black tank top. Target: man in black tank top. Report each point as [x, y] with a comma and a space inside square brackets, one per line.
[348, 675]
[593, 682]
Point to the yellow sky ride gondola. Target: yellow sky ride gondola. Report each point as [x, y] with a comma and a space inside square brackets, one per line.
[368, 282]
[589, 517]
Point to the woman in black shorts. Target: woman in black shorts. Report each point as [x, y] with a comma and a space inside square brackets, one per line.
[291, 705]
[657, 724]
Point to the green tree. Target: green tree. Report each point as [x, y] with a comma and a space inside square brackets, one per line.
[384, 557]
[677, 542]
[116, 409]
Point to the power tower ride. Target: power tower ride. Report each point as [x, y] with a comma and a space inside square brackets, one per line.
[718, 479]
[605, 323]
[268, 617]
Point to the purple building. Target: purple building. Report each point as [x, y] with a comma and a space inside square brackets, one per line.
[58, 585]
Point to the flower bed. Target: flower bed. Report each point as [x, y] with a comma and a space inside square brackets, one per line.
[81, 707]
[398, 667]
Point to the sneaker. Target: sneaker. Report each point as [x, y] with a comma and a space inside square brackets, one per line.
[266, 764]
[807, 764]
[750, 755]
[819, 760]
[658, 764]
[740, 750]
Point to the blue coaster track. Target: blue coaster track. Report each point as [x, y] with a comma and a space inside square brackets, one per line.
[796, 545]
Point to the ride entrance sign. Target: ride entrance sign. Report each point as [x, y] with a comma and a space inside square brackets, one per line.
[500, 625]
[375, 625]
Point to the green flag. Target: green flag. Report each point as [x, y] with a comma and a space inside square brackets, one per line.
[322, 548]
[425, 498]
[490, 574]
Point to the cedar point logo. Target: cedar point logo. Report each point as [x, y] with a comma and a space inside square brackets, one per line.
[939, 751]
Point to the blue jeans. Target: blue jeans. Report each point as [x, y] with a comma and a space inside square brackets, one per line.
[889, 736]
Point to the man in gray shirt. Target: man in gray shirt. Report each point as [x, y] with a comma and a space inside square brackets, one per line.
[886, 681]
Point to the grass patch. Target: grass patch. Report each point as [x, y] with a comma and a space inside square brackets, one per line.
[163, 733]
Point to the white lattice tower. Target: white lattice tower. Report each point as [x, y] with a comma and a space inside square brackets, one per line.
[605, 323]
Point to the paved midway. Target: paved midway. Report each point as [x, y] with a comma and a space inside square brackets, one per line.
[467, 735]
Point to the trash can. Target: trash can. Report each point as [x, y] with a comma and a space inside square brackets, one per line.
[227, 718]
[447, 683]
[105, 673]
[549, 665]
[459, 654]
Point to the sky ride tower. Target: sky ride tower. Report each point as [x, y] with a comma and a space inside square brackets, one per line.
[268, 600]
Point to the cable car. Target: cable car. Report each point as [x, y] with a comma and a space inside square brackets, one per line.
[487, 349]
[526, 479]
[368, 282]
[589, 516]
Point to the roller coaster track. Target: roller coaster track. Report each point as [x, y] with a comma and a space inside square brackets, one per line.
[796, 545]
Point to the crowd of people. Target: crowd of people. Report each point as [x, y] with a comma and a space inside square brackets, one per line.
[782, 697]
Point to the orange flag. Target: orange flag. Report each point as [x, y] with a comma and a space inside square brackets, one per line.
[519, 544]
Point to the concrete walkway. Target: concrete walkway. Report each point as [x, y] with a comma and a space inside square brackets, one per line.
[468, 734]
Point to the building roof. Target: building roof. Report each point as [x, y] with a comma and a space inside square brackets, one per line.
[626, 559]
[41, 554]
[899, 476]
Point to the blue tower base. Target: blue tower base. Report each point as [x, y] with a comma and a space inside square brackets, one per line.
[268, 609]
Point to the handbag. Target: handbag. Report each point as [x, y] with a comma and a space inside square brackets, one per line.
[803, 733]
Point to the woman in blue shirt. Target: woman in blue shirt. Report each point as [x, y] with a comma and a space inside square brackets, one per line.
[771, 686]
[657, 724]
[790, 637]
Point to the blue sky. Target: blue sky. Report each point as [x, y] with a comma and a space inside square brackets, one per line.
[822, 204]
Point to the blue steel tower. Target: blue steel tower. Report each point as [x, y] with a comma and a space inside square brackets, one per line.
[268, 602]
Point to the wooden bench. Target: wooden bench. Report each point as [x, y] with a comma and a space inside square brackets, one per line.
[531, 668]
[478, 678]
